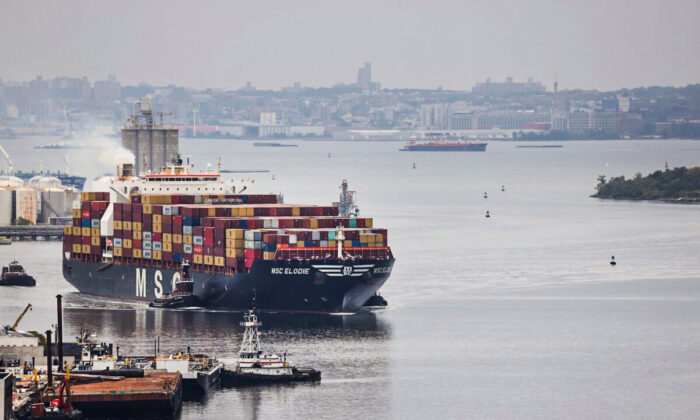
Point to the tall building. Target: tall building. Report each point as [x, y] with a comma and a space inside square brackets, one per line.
[107, 91]
[434, 115]
[153, 146]
[364, 77]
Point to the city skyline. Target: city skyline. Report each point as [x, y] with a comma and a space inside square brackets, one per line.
[585, 46]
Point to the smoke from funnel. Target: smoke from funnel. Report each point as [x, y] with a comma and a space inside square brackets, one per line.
[116, 155]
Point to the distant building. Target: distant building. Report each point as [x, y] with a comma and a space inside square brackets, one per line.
[606, 122]
[434, 116]
[364, 77]
[579, 122]
[268, 118]
[610, 105]
[624, 103]
[509, 87]
[460, 120]
[107, 91]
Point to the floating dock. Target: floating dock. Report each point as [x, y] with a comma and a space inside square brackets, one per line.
[156, 393]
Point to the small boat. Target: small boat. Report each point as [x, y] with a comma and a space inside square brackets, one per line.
[376, 301]
[183, 296]
[255, 367]
[14, 275]
[4, 240]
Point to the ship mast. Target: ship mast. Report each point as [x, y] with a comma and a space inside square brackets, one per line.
[251, 336]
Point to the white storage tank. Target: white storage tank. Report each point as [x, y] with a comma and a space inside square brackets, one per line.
[53, 203]
[5, 206]
[10, 182]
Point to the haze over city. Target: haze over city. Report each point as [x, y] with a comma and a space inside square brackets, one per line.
[603, 45]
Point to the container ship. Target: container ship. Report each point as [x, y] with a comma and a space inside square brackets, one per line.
[130, 241]
[443, 146]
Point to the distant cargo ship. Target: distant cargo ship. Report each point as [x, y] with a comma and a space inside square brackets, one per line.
[443, 146]
[274, 145]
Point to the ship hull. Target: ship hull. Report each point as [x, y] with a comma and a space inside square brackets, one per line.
[325, 286]
[469, 148]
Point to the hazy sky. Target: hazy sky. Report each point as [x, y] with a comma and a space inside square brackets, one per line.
[429, 43]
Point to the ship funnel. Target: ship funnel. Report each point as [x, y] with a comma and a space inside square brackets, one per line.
[127, 170]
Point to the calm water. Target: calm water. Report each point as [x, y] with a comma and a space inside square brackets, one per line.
[516, 316]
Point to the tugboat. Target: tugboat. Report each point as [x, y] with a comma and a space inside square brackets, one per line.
[183, 296]
[4, 240]
[14, 275]
[255, 367]
[376, 301]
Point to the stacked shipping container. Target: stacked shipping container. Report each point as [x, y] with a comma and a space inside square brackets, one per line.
[222, 233]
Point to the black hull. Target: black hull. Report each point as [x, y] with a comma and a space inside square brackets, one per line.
[176, 302]
[318, 286]
[27, 281]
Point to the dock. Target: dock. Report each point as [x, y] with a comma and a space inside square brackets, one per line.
[32, 232]
[157, 392]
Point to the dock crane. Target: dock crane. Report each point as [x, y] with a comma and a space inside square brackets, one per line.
[19, 318]
[10, 165]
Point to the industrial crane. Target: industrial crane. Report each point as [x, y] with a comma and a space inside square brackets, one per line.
[10, 165]
[19, 318]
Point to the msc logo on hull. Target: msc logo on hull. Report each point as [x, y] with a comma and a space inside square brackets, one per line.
[141, 282]
[344, 270]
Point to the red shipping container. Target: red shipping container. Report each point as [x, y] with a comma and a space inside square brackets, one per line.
[167, 220]
[136, 243]
[147, 224]
[157, 236]
[126, 252]
[85, 240]
[208, 242]
[167, 256]
[157, 209]
[136, 217]
[117, 233]
[208, 250]
[85, 214]
[177, 220]
[167, 228]
[95, 250]
[126, 234]
[197, 249]
[177, 248]
[85, 205]
[219, 252]
[177, 230]
[198, 231]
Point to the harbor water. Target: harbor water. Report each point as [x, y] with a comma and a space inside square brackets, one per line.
[518, 315]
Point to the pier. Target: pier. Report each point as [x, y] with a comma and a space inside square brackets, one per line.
[32, 232]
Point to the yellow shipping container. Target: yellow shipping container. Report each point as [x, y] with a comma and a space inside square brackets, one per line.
[249, 212]
[235, 252]
[95, 241]
[76, 230]
[126, 225]
[126, 243]
[157, 219]
[68, 230]
[94, 231]
[378, 237]
[86, 249]
[187, 239]
[211, 212]
[332, 244]
[313, 223]
[268, 255]
[168, 237]
[208, 259]
[147, 209]
[219, 261]
[137, 234]
[234, 233]
[117, 224]
[235, 243]
[77, 249]
[296, 211]
[368, 222]
[137, 226]
[136, 253]
[300, 244]
[177, 238]
[85, 231]
[167, 247]
[157, 227]
[347, 243]
[157, 255]
[198, 259]
[118, 252]
[76, 213]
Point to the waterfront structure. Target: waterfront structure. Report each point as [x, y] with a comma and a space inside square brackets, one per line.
[154, 146]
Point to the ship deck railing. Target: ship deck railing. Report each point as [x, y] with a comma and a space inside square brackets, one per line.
[327, 253]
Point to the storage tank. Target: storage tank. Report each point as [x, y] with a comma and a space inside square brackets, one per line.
[26, 203]
[10, 182]
[5, 206]
[53, 203]
[41, 181]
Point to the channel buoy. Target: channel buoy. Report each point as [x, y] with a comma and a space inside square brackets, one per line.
[612, 260]
[486, 195]
[414, 165]
[329, 155]
[503, 187]
[487, 214]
